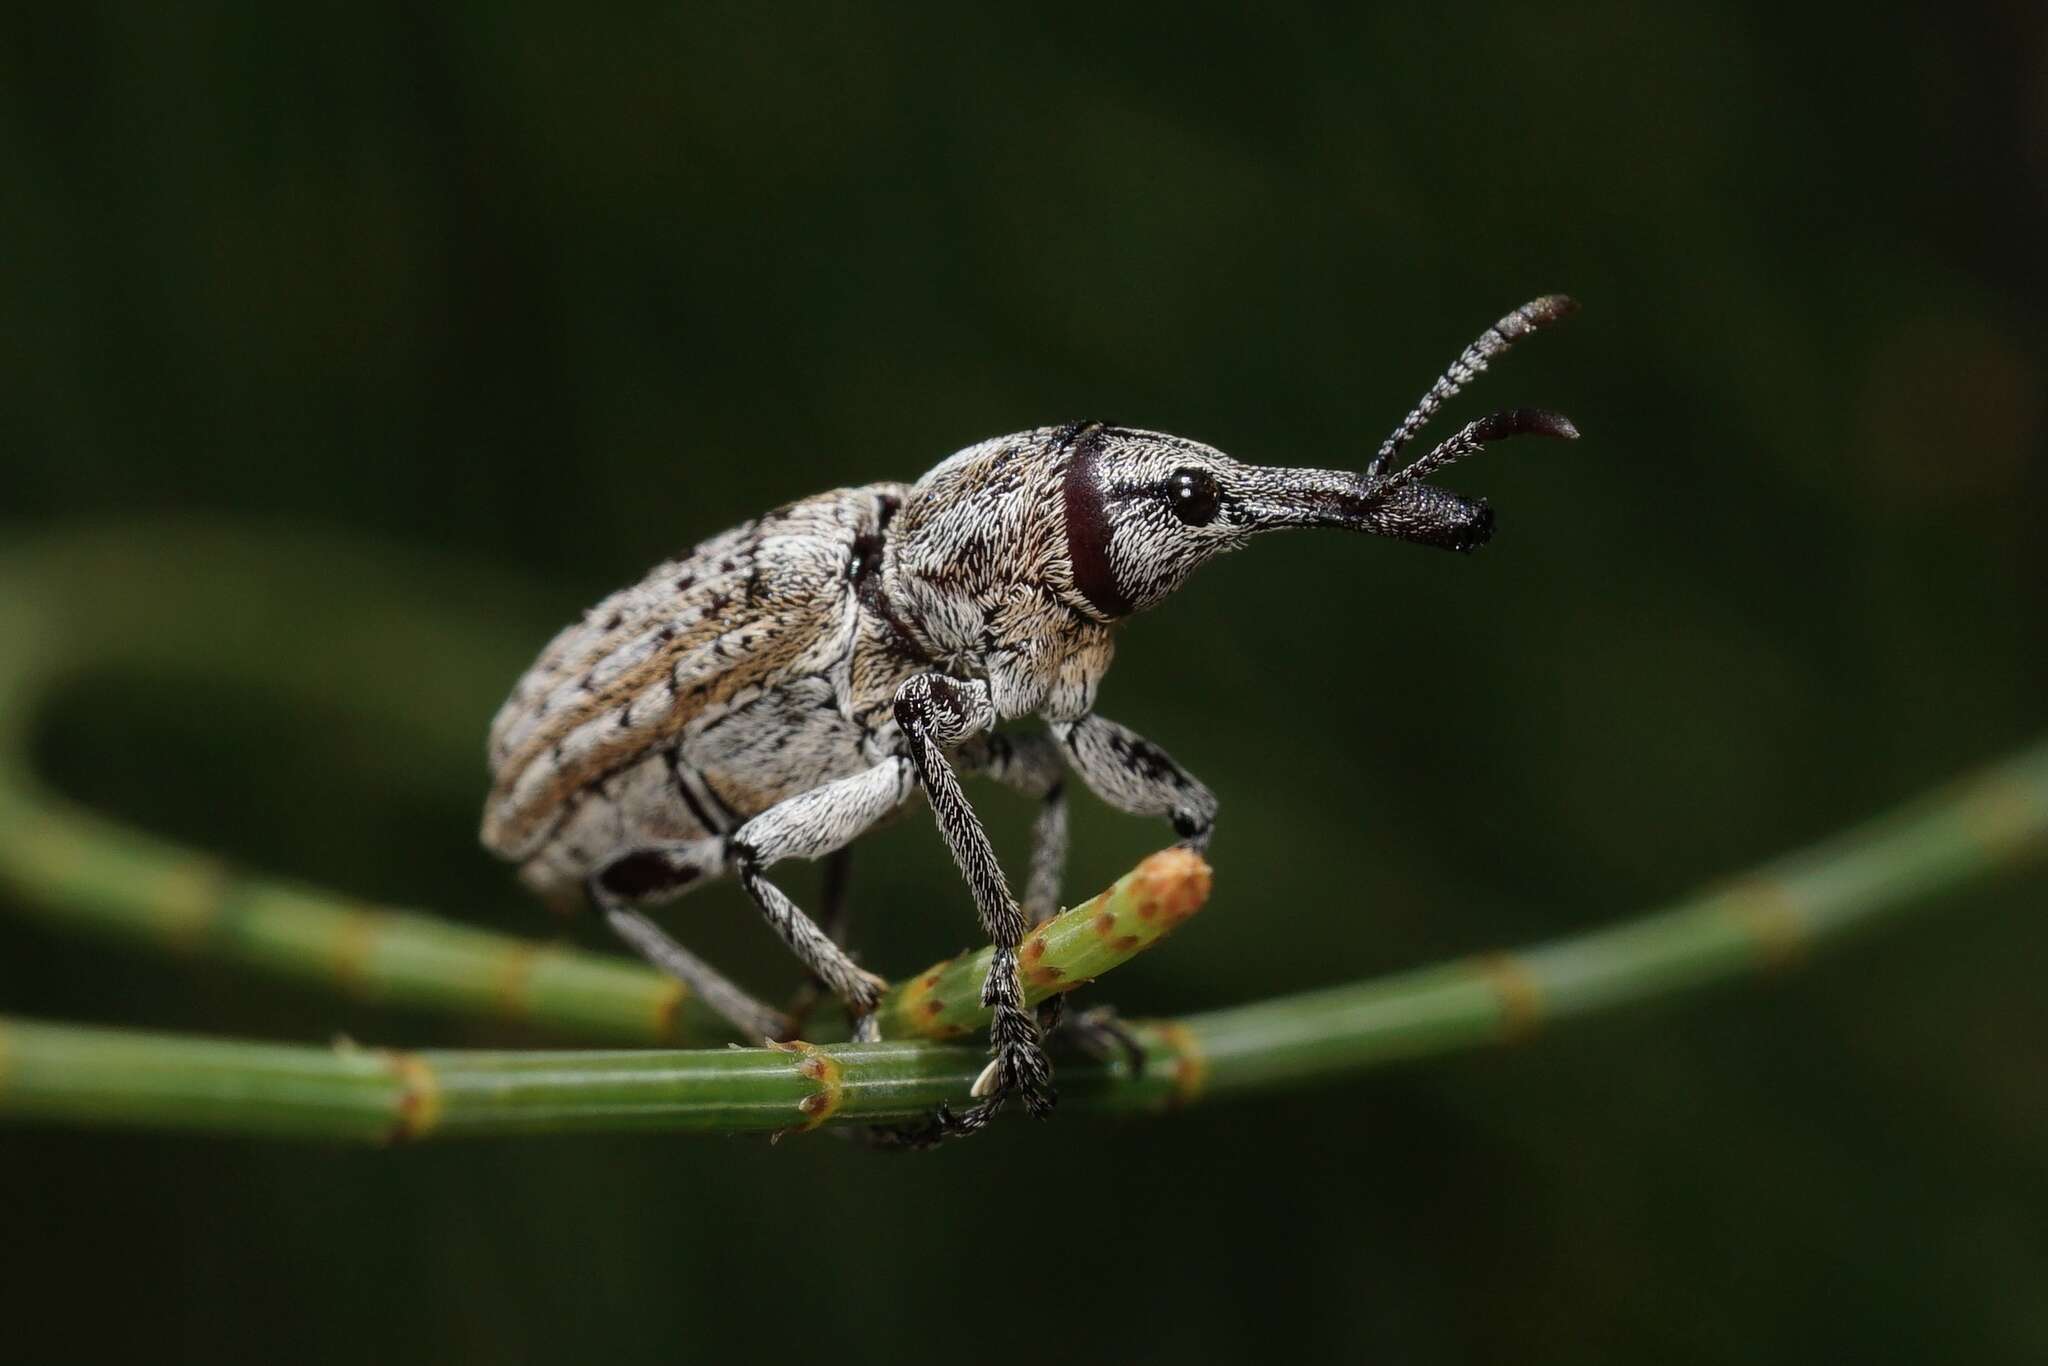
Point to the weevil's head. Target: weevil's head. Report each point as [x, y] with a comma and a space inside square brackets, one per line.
[1113, 519]
[1142, 511]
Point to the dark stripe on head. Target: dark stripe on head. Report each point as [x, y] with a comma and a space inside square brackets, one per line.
[1088, 525]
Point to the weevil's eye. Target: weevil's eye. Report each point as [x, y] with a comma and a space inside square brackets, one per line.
[1193, 496]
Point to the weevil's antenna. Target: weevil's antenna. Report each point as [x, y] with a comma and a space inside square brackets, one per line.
[1473, 435]
[1493, 342]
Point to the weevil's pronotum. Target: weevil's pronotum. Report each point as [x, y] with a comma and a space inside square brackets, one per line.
[783, 687]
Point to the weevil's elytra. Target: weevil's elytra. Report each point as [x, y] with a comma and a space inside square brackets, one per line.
[790, 683]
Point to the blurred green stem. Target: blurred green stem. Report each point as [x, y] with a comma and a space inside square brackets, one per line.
[77, 868]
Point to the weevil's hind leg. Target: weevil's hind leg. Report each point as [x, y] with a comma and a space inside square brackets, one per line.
[663, 872]
[933, 712]
[1032, 764]
[753, 1019]
[811, 825]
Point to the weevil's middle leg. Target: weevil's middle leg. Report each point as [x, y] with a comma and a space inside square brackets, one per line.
[811, 825]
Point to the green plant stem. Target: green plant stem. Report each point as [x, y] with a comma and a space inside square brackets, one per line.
[159, 601]
[1988, 823]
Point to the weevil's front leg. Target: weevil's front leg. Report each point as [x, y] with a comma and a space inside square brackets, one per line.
[810, 825]
[935, 712]
[1030, 763]
[1133, 774]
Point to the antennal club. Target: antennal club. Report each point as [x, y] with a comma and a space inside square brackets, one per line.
[1470, 364]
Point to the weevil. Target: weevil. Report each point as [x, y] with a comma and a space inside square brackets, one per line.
[786, 685]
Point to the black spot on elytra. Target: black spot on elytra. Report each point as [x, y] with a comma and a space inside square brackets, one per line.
[684, 582]
[616, 620]
[645, 873]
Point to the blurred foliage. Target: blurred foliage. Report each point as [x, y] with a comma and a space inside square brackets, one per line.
[562, 293]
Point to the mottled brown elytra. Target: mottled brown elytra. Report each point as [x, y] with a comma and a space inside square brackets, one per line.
[786, 685]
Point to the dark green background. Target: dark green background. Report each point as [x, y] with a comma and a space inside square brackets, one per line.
[563, 293]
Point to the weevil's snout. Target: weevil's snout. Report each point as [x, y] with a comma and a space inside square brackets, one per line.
[1428, 515]
[1400, 504]
[1422, 513]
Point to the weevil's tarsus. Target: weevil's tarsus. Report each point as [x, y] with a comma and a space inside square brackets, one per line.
[943, 1125]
